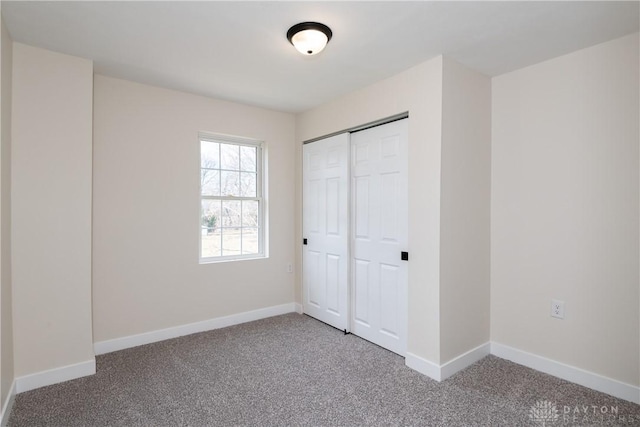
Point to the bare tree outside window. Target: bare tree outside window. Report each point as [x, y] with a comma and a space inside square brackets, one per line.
[231, 199]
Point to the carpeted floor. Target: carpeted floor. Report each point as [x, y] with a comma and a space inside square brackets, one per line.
[295, 371]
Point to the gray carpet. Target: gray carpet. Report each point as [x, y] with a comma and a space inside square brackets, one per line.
[294, 370]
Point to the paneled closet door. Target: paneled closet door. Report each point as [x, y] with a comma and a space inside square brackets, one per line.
[379, 234]
[325, 230]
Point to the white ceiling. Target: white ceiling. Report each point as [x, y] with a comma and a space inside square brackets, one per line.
[238, 50]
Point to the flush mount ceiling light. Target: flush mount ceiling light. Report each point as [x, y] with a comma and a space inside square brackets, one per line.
[309, 37]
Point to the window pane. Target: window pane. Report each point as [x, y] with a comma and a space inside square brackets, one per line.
[230, 157]
[211, 213]
[210, 182]
[249, 213]
[248, 158]
[210, 228]
[230, 183]
[231, 241]
[209, 154]
[211, 244]
[248, 184]
[249, 241]
[231, 213]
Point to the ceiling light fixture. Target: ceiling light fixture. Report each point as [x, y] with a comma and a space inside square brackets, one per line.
[309, 37]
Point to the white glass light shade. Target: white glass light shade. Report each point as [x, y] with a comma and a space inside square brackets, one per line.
[309, 42]
[309, 38]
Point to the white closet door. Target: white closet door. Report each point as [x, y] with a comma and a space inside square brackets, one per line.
[379, 234]
[325, 229]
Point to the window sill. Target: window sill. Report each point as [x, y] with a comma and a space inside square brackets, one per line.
[219, 260]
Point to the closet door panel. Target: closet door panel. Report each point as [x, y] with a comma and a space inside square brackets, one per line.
[325, 224]
[379, 234]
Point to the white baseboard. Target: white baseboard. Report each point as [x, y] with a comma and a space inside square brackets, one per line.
[566, 372]
[442, 372]
[116, 344]
[299, 309]
[8, 404]
[464, 360]
[56, 375]
[424, 366]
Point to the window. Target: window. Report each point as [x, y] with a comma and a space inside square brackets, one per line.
[231, 198]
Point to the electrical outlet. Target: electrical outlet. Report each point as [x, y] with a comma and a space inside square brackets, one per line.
[557, 309]
[289, 268]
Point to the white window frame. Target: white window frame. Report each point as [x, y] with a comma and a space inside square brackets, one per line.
[260, 195]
